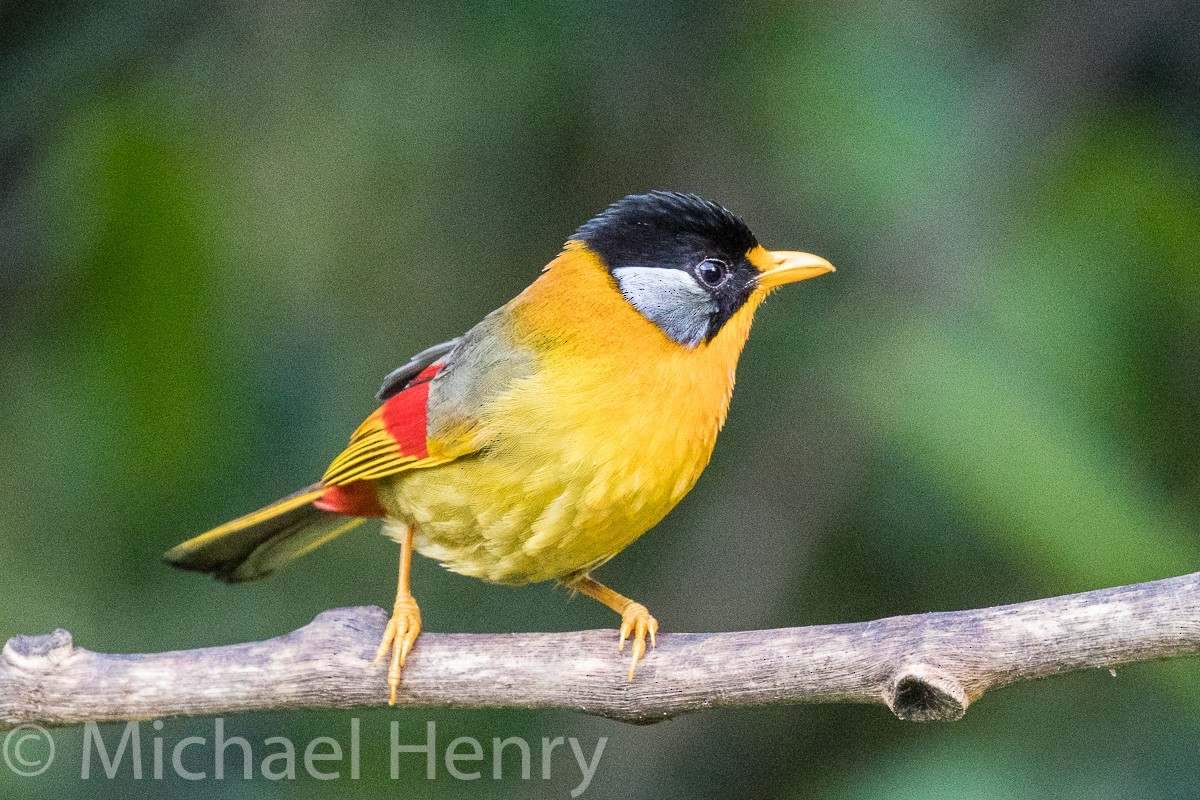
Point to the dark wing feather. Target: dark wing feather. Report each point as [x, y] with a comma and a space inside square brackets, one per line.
[398, 378]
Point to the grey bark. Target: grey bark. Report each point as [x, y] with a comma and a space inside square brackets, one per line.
[922, 667]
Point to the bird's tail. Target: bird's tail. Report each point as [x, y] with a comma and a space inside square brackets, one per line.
[259, 543]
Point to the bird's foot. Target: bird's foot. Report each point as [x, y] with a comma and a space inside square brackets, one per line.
[636, 620]
[399, 637]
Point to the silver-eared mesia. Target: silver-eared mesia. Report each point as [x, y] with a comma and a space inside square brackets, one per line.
[540, 443]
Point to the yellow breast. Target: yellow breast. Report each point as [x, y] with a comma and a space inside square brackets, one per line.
[608, 433]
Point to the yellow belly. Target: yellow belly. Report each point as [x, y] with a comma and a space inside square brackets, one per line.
[562, 494]
[520, 522]
[586, 454]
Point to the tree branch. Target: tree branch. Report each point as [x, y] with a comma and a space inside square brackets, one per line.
[922, 667]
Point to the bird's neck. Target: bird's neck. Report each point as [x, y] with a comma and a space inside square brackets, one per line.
[592, 342]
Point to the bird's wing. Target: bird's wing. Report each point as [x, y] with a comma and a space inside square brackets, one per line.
[430, 414]
[392, 439]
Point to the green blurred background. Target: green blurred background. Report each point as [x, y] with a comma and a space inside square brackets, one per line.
[222, 224]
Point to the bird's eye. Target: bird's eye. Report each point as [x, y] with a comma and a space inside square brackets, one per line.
[712, 272]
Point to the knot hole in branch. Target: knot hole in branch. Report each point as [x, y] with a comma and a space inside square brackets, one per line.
[921, 693]
[39, 652]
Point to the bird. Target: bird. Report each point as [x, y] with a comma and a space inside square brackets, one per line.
[551, 435]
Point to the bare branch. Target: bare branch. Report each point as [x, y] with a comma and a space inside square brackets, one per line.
[922, 667]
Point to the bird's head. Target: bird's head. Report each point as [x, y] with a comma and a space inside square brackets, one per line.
[687, 264]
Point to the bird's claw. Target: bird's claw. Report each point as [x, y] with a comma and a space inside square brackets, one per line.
[399, 636]
[636, 620]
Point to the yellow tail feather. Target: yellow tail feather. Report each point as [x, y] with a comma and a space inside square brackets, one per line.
[257, 544]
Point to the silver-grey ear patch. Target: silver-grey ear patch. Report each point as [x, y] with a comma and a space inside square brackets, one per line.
[671, 299]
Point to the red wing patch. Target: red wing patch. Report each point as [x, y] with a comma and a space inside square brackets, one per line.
[391, 440]
[405, 414]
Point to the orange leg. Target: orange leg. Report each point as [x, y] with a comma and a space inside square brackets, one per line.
[405, 624]
[635, 618]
